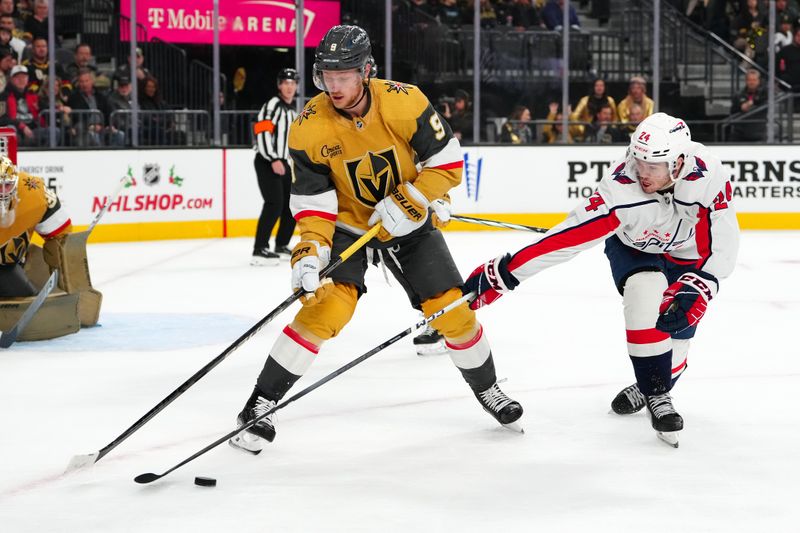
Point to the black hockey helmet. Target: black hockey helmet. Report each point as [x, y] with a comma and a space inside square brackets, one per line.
[288, 74]
[343, 48]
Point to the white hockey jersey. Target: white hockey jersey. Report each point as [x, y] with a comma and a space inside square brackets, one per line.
[693, 224]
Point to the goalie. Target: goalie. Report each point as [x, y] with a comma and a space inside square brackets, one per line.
[28, 206]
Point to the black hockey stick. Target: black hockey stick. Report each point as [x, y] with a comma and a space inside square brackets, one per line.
[150, 477]
[498, 224]
[10, 337]
[81, 461]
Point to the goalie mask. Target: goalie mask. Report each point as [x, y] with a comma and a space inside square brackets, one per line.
[660, 138]
[343, 48]
[8, 191]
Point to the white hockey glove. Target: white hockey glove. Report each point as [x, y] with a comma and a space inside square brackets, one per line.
[403, 211]
[441, 212]
[308, 260]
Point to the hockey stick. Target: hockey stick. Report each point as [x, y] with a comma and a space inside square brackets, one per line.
[9, 337]
[81, 461]
[498, 224]
[109, 200]
[150, 477]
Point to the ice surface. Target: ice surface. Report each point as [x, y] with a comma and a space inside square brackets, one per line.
[399, 443]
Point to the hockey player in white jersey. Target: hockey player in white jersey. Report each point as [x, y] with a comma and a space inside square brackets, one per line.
[664, 212]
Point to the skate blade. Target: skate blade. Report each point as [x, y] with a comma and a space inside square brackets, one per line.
[80, 462]
[670, 437]
[514, 426]
[431, 349]
[246, 445]
[260, 262]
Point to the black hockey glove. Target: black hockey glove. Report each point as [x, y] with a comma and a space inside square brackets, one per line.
[490, 281]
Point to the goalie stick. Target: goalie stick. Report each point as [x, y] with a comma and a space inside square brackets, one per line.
[82, 461]
[498, 224]
[9, 337]
[150, 477]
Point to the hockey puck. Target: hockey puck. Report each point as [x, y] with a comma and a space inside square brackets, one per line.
[205, 481]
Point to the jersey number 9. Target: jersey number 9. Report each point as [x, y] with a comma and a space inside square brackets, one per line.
[438, 129]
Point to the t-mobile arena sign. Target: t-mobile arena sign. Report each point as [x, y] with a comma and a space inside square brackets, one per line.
[242, 22]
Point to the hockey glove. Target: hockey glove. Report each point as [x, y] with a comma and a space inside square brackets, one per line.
[308, 259]
[403, 211]
[441, 212]
[490, 281]
[685, 302]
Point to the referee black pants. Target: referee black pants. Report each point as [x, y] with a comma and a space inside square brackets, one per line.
[275, 191]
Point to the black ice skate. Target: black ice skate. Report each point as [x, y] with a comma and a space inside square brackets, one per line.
[429, 342]
[264, 257]
[666, 421]
[254, 438]
[629, 400]
[284, 253]
[501, 407]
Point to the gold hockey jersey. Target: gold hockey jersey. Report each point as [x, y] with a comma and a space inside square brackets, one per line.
[342, 165]
[36, 209]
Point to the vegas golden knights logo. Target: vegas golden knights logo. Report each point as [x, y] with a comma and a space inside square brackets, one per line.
[374, 175]
[14, 250]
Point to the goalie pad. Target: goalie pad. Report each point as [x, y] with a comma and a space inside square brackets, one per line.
[57, 317]
[67, 254]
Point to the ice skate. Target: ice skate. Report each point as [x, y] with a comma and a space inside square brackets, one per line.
[264, 257]
[254, 438]
[666, 421]
[429, 342]
[629, 400]
[284, 253]
[501, 407]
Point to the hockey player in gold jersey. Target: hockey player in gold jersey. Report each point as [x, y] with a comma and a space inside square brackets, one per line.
[26, 205]
[364, 151]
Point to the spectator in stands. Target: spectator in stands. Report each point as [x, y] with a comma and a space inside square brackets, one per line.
[39, 67]
[750, 28]
[448, 12]
[601, 130]
[752, 95]
[36, 25]
[637, 94]
[460, 117]
[120, 124]
[635, 116]
[7, 37]
[589, 105]
[83, 60]
[7, 62]
[553, 15]
[524, 15]
[89, 110]
[22, 109]
[124, 70]
[783, 37]
[63, 117]
[551, 133]
[788, 59]
[157, 124]
[517, 128]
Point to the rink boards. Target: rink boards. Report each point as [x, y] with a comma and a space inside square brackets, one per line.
[194, 193]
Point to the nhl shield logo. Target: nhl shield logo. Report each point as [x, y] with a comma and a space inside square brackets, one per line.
[374, 175]
[151, 173]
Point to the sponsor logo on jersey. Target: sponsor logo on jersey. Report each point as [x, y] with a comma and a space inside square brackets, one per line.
[396, 87]
[374, 175]
[330, 151]
[699, 170]
[151, 173]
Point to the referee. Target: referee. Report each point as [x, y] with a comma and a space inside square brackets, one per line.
[272, 169]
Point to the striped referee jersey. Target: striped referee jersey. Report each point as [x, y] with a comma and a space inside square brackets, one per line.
[272, 129]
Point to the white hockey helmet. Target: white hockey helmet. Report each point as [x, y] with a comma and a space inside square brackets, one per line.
[8, 190]
[660, 138]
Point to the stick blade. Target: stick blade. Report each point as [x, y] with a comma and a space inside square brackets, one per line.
[144, 479]
[80, 462]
